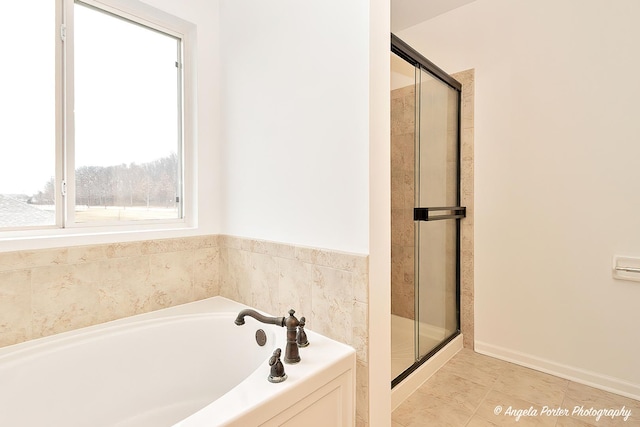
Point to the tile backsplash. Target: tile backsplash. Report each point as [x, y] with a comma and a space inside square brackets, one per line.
[329, 288]
[44, 292]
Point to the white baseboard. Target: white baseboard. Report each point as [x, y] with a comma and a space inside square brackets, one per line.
[410, 384]
[592, 379]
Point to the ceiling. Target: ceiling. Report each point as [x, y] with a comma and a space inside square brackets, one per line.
[407, 13]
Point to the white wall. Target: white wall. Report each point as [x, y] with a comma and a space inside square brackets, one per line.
[379, 214]
[305, 96]
[556, 178]
[295, 92]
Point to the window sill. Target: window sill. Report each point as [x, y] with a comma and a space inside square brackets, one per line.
[56, 238]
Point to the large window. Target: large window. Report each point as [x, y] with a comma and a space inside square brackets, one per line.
[93, 117]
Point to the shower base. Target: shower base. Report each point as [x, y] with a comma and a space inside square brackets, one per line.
[410, 384]
[403, 352]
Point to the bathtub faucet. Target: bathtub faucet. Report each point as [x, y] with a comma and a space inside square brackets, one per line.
[291, 353]
[259, 317]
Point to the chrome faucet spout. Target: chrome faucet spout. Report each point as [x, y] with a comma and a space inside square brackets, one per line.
[259, 317]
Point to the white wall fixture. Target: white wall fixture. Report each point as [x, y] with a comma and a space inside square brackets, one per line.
[626, 268]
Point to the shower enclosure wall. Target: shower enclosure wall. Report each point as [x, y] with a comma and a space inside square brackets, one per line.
[425, 228]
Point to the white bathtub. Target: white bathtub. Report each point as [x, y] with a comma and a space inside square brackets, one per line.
[185, 366]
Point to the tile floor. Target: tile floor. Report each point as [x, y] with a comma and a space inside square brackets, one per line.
[471, 388]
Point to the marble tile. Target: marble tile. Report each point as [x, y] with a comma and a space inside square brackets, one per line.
[263, 269]
[467, 138]
[571, 422]
[479, 422]
[362, 391]
[397, 192]
[30, 259]
[530, 385]
[585, 398]
[80, 254]
[206, 272]
[84, 285]
[361, 280]
[503, 409]
[332, 303]
[125, 249]
[62, 299]
[15, 300]
[236, 282]
[478, 373]
[346, 261]
[226, 241]
[592, 396]
[455, 389]
[466, 238]
[89, 277]
[170, 279]
[318, 257]
[360, 334]
[423, 410]
[294, 288]
[475, 367]
[281, 250]
[162, 246]
[402, 189]
[124, 286]
[228, 288]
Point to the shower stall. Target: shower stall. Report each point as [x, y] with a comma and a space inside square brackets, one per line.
[425, 209]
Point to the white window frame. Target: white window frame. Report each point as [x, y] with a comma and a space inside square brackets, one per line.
[148, 16]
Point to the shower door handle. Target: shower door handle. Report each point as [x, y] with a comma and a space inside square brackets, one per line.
[451, 212]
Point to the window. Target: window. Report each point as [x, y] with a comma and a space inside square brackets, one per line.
[28, 118]
[93, 127]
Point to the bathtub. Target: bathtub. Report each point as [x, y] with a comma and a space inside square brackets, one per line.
[185, 366]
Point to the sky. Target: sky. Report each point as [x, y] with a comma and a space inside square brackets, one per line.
[125, 94]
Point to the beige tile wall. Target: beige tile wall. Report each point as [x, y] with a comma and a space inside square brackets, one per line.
[402, 201]
[329, 288]
[466, 225]
[44, 292]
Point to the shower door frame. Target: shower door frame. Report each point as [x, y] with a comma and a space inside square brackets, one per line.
[413, 57]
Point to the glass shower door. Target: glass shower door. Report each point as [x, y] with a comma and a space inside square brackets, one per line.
[437, 214]
[425, 209]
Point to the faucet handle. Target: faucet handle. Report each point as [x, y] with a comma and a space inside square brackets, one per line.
[301, 337]
[276, 374]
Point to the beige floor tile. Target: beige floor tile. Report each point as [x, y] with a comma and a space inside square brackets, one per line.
[591, 406]
[452, 388]
[422, 410]
[593, 396]
[475, 367]
[532, 386]
[479, 422]
[505, 410]
[469, 388]
[571, 422]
